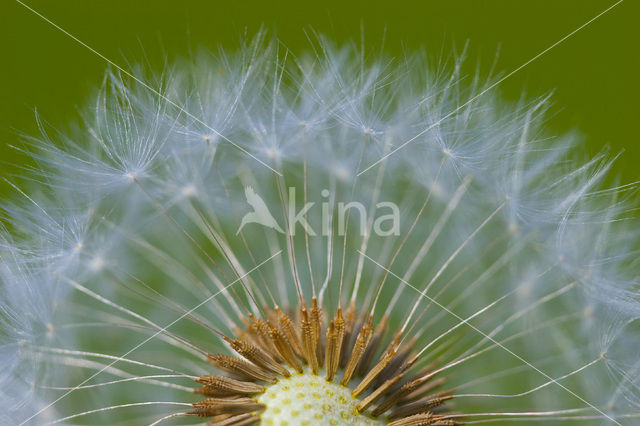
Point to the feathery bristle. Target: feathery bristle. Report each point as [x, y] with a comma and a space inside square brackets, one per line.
[324, 237]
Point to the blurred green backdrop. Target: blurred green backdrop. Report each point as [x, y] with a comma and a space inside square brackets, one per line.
[594, 73]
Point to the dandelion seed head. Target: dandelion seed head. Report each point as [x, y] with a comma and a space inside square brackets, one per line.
[369, 229]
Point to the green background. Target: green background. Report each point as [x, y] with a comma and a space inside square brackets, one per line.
[594, 73]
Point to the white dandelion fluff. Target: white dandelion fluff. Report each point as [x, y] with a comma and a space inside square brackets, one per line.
[324, 239]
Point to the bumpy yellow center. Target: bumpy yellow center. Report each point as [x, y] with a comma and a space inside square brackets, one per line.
[307, 399]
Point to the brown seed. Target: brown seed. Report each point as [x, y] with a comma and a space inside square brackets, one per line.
[221, 385]
[309, 341]
[215, 406]
[257, 356]
[364, 337]
[289, 330]
[240, 368]
[284, 348]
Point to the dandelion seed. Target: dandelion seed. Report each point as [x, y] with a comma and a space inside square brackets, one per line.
[225, 253]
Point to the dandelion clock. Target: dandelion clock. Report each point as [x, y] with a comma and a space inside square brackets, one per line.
[252, 237]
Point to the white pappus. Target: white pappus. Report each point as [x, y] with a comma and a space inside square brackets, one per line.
[462, 265]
